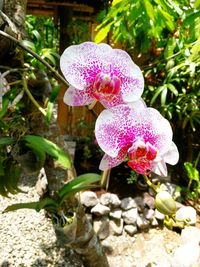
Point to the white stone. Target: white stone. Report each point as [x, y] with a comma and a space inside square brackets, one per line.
[130, 229]
[105, 199]
[148, 200]
[116, 227]
[130, 216]
[158, 215]
[154, 222]
[109, 199]
[187, 213]
[116, 214]
[149, 214]
[142, 223]
[128, 203]
[101, 227]
[190, 234]
[100, 210]
[187, 255]
[89, 199]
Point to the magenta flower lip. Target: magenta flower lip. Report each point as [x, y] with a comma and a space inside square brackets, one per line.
[142, 134]
[99, 72]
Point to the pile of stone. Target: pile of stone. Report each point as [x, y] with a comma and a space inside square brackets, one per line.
[113, 216]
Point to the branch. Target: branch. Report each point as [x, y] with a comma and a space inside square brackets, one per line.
[44, 62]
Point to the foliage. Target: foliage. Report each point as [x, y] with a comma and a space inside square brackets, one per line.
[81, 182]
[163, 39]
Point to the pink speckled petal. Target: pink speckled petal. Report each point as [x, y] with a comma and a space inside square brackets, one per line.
[74, 97]
[81, 63]
[172, 155]
[122, 125]
[108, 162]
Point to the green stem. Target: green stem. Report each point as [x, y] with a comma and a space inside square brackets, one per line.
[35, 103]
[150, 184]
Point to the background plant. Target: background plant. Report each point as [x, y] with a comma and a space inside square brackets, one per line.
[163, 39]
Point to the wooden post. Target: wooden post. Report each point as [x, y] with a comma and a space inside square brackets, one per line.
[65, 15]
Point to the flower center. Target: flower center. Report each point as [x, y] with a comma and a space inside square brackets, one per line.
[106, 85]
[141, 156]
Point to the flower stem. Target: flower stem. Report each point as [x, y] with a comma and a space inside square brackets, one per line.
[35, 103]
[150, 184]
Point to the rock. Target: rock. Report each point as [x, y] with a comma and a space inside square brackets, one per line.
[89, 199]
[101, 227]
[130, 216]
[140, 203]
[115, 201]
[116, 227]
[149, 214]
[187, 255]
[105, 199]
[116, 214]
[190, 234]
[171, 188]
[142, 223]
[128, 203]
[148, 200]
[109, 199]
[187, 213]
[154, 222]
[100, 210]
[130, 229]
[89, 217]
[158, 215]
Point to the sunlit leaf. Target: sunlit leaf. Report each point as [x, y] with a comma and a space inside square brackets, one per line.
[40, 143]
[102, 33]
[38, 205]
[83, 181]
[192, 172]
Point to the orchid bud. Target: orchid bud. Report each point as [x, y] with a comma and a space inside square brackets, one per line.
[165, 203]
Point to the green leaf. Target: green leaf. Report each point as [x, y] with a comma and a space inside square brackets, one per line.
[115, 2]
[195, 51]
[172, 88]
[83, 181]
[28, 44]
[163, 96]
[149, 9]
[7, 141]
[102, 33]
[197, 4]
[40, 143]
[192, 172]
[47, 203]
[49, 111]
[156, 94]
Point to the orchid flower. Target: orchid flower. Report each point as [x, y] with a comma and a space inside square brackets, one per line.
[97, 72]
[138, 133]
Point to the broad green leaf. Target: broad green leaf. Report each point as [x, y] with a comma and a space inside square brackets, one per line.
[102, 33]
[40, 143]
[38, 205]
[83, 181]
